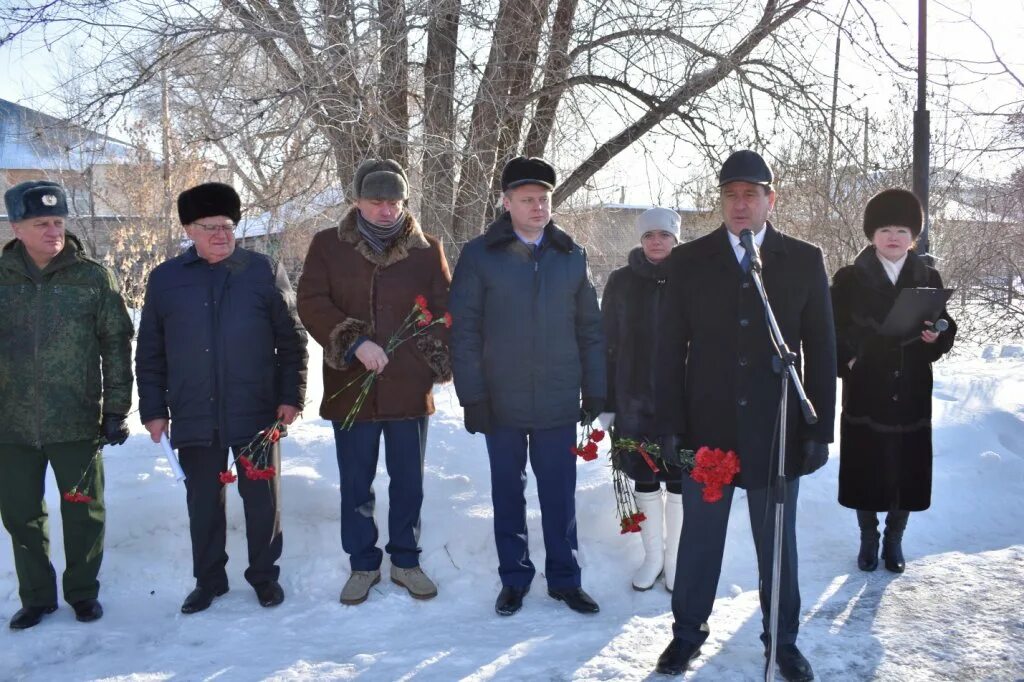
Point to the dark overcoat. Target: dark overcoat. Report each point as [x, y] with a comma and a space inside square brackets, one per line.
[642, 392]
[527, 334]
[732, 393]
[885, 430]
[348, 290]
[220, 347]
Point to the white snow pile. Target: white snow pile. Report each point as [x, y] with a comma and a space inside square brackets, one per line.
[956, 614]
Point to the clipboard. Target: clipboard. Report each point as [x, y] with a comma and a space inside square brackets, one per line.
[912, 309]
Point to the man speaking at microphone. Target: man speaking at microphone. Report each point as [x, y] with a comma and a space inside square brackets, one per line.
[732, 399]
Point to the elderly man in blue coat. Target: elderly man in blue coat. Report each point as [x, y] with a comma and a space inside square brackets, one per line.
[526, 342]
[221, 355]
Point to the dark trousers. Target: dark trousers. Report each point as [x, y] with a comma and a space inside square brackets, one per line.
[207, 522]
[22, 485]
[358, 449]
[555, 468]
[699, 565]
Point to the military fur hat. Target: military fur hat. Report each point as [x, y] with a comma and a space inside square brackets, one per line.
[380, 179]
[527, 171]
[207, 200]
[893, 207]
[657, 218]
[35, 199]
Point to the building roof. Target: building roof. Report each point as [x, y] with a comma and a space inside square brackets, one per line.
[32, 140]
[290, 213]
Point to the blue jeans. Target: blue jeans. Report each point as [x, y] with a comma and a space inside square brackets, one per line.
[555, 468]
[358, 448]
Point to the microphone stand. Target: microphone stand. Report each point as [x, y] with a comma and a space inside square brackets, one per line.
[784, 364]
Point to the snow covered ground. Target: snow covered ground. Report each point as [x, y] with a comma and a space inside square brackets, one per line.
[956, 614]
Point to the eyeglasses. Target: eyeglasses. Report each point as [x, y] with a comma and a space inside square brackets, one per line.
[210, 229]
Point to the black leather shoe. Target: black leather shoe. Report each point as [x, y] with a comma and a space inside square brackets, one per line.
[29, 616]
[892, 555]
[269, 593]
[87, 610]
[867, 558]
[792, 665]
[510, 600]
[200, 599]
[576, 599]
[675, 659]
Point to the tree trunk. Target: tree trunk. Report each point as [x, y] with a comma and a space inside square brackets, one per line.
[393, 132]
[439, 121]
[556, 70]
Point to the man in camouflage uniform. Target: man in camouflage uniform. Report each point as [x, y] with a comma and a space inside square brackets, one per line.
[65, 388]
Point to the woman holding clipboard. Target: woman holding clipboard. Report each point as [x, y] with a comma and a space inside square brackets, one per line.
[885, 432]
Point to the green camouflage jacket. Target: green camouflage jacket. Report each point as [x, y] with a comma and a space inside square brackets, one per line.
[65, 347]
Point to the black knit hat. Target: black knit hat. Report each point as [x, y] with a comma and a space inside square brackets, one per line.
[207, 200]
[745, 165]
[35, 199]
[527, 171]
[380, 179]
[893, 207]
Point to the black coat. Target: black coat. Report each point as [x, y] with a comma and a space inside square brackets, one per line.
[220, 346]
[647, 402]
[885, 429]
[526, 333]
[732, 392]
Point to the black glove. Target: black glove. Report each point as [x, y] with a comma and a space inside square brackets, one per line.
[815, 456]
[590, 409]
[114, 428]
[478, 417]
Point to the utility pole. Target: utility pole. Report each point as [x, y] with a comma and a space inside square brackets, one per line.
[921, 125]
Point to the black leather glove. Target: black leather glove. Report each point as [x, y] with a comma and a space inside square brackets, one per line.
[590, 409]
[815, 456]
[114, 428]
[478, 417]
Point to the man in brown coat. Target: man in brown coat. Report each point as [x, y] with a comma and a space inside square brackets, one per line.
[358, 289]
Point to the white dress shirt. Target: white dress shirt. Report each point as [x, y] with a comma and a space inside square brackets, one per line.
[737, 247]
[892, 268]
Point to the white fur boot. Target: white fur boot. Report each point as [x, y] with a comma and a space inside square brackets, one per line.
[673, 528]
[650, 505]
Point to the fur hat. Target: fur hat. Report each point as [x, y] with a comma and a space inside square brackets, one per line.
[207, 200]
[745, 165]
[35, 199]
[893, 207]
[380, 179]
[664, 219]
[527, 171]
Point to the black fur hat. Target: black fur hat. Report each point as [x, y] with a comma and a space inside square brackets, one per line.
[35, 199]
[527, 171]
[380, 179]
[209, 199]
[893, 207]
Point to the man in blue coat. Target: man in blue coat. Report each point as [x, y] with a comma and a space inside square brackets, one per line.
[731, 400]
[526, 340]
[221, 355]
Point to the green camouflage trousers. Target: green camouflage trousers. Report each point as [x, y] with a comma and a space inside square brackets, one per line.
[22, 483]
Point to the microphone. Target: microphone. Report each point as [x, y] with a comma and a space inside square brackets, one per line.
[747, 240]
[940, 325]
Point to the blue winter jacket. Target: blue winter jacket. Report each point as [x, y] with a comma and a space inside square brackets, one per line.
[220, 347]
[527, 335]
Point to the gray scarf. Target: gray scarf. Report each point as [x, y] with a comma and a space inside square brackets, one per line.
[379, 237]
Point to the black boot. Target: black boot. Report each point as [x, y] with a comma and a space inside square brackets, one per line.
[892, 543]
[867, 558]
[675, 660]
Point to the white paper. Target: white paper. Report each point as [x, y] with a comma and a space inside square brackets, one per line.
[179, 474]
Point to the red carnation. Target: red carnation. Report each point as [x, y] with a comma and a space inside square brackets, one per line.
[448, 320]
[421, 302]
[227, 477]
[426, 317]
[70, 496]
[590, 451]
[597, 435]
[639, 517]
[245, 462]
[274, 435]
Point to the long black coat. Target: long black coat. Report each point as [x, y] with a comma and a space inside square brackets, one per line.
[885, 429]
[526, 334]
[642, 392]
[732, 392]
[220, 346]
